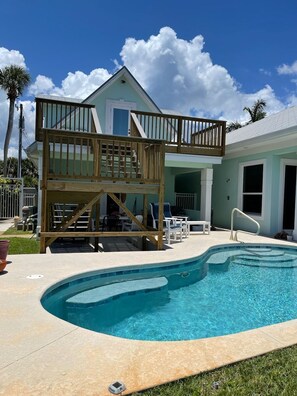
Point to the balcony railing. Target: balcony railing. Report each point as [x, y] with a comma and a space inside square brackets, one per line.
[184, 135]
[98, 157]
[187, 135]
[65, 116]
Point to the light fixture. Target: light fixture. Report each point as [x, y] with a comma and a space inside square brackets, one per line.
[117, 387]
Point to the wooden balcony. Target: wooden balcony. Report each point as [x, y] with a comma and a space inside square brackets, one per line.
[183, 135]
[80, 164]
[78, 168]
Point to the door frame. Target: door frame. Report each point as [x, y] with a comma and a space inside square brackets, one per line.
[284, 163]
[116, 104]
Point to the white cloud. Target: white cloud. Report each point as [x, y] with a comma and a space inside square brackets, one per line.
[180, 75]
[12, 57]
[75, 85]
[42, 85]
[288, 69]
[81, 85]
[292, 100]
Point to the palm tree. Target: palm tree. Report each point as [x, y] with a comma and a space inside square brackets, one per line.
[233, 125]
[256, 112]
[13, 79]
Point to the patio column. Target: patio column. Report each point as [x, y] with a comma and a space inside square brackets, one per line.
[206, 190]
[39, 205]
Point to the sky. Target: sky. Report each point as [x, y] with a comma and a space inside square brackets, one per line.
[205, 58]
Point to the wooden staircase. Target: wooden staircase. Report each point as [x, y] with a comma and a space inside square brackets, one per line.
[120, 161]
[62, 213]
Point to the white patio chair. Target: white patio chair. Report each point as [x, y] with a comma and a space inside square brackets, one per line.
[172, 226]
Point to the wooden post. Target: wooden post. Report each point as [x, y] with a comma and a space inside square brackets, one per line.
[179, 134]
[161, 196]
[97, 225]
[145, 203]
[44, 211]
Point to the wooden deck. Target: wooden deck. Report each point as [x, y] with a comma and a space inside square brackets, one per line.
[80, 165]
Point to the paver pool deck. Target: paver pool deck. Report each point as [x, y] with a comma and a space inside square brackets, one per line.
[43, 355]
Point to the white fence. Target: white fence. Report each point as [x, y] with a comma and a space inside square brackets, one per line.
[29, 196]
[13, 196]
[186, 200]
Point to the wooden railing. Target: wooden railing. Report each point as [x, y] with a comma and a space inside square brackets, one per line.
[97, 157]
[65, 116]
[187, 135]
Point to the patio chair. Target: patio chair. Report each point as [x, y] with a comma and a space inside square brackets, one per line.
[111, 223]
[184, 219]
[172, 227]
[131, 226]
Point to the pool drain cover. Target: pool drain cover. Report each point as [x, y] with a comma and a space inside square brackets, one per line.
[35, 276]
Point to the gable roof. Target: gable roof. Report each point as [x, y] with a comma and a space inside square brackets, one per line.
[275, 128]
[125, 75]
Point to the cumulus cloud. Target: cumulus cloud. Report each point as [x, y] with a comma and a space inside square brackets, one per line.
[288, 69]
[75, 85]
[81, 85]
[12, 57]
[180, 75]
[42, 85]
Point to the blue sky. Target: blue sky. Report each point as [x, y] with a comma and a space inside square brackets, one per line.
[207, 58]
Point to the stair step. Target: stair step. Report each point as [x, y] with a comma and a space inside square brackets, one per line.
[285, 261]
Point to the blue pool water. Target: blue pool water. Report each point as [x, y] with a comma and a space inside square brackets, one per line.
[226, 290]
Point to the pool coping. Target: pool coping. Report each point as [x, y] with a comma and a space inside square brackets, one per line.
[41, 354]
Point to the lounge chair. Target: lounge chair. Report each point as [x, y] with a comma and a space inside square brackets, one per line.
[183, 219]
[172, 226]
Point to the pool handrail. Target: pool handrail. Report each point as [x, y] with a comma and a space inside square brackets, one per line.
[234, 237]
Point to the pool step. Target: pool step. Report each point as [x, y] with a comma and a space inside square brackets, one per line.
[102, 294]
[265, 252]
[281, 261]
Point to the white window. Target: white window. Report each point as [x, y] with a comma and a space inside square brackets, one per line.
[251, 184]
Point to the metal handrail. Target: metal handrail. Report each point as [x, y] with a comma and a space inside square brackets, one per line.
[234, 238]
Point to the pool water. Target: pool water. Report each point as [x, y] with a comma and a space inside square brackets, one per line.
[224, 291]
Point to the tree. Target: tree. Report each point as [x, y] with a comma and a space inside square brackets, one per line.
[232, 126]
[256, 112]
[13, 79]
[29, 171]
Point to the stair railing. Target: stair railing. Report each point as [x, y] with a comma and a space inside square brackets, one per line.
[233, 237]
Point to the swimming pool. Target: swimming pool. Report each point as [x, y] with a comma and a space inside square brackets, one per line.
[228, 289]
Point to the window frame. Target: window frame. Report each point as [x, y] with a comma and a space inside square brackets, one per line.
[241, 193]
[117, 104]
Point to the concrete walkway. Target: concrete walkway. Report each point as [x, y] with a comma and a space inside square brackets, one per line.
[43, 355]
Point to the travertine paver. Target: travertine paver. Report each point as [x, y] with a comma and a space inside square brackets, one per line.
[43, 355]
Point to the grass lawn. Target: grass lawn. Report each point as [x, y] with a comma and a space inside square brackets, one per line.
[274, 374]
[23, 246]
[13, 231]
[20, 241]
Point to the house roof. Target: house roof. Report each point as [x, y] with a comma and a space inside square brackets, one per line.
[275, 128]
[125, 75]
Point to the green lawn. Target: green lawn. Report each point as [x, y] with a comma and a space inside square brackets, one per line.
[274, 374]
[23, 246]
[13, 231]
[21, 242]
